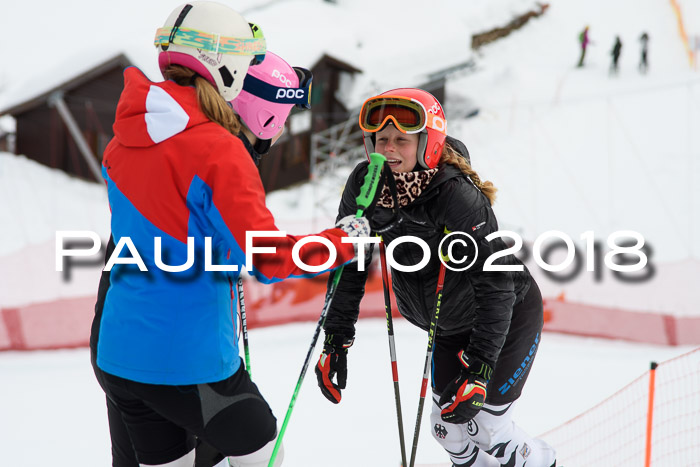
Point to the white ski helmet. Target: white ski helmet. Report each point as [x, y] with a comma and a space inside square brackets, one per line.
[214, 41]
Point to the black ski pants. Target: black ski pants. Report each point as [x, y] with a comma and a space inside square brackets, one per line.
[516, 357]
[156, 424]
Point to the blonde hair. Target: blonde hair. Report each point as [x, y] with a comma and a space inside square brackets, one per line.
[452, 157]
[210, 101]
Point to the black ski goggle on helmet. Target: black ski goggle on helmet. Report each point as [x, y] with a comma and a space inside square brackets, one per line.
[300, 96]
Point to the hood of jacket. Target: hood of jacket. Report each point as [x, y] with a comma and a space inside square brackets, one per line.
[149, 113]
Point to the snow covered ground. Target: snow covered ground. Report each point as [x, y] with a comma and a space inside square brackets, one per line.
[52, 410]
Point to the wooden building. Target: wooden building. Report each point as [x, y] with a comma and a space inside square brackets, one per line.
[43, 134]
[289, 160]
[68, 126]
[43, 128]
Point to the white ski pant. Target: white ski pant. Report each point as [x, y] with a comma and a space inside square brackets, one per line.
[491, 439]
[259, 458]
[185, 461]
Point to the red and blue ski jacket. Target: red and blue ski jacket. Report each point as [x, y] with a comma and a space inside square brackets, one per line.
[173, 174]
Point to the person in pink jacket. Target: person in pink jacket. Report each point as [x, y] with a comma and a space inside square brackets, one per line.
[584, 41]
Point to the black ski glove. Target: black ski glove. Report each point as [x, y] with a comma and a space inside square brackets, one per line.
[333, 361]
[465, 395]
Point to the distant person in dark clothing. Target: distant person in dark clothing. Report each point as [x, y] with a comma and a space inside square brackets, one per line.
[643, 63]
[615, 52]
[584, 41]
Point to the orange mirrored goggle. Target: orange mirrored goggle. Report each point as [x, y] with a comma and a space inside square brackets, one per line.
[408, 115]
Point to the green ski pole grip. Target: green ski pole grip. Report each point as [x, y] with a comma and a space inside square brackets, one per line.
[369, 187]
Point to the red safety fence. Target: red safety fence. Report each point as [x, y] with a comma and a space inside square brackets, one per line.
[58, 324]
[66, 322]
[583, 319]
[654, 421]
[302, 300]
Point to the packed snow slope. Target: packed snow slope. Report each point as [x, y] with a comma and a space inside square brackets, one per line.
[54, 409]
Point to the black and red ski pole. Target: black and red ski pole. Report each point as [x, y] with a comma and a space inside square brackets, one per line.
[392, 349]
[428, 358]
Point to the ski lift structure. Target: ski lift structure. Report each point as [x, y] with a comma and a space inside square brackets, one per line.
[338, 146]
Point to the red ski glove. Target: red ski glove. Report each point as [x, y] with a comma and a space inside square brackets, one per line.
[465, 395]
[333, 362]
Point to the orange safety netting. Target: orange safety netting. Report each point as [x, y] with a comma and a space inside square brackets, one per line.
[653, 421]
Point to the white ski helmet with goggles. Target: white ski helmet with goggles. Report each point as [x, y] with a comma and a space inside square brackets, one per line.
[411, 111]
[270, 90]
[214, 41]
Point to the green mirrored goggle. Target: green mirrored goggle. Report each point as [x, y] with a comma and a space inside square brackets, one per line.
[213, 43]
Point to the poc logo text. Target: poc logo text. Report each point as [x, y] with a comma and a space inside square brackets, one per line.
[289, 93]
[283, 79]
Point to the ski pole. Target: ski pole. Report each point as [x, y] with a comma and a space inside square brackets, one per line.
[244, 326]
[428, 358]
[369, 187]
[392, 349]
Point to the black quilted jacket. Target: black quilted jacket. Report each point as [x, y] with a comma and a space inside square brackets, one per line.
[475, 303]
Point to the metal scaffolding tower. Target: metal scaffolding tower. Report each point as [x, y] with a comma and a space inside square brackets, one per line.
[339, 146]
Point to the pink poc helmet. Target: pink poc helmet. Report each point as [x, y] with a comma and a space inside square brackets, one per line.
[270, 90]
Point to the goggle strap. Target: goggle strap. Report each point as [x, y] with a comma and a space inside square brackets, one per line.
[178, 22]
[257, 34]
[277, 94]
[209, 42]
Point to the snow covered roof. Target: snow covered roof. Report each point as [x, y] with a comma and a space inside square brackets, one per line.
[35, 92]
[394, 46]
[83, 67]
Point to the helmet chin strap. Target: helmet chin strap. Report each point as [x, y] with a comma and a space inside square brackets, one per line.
[369, 139]
[420, 154]
[262, 146]
[259, 146]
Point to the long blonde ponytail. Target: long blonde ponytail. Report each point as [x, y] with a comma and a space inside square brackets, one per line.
[210, 101]
[452, 157]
